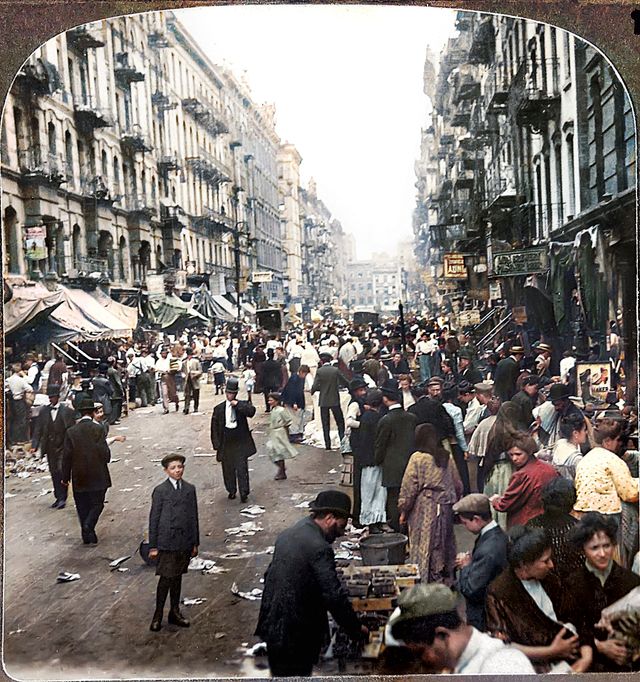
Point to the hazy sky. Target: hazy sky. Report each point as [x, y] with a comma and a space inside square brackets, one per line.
[347, 85]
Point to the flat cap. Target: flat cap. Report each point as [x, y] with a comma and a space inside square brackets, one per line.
[435, 380]
[423, 600]
[475, 503]
[483, 387]
[167, 459]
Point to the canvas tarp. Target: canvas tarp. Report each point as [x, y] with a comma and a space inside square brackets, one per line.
[164, 311]
[128, 314]
[227, 306]
[247, 307]
[208, 305]
[29, 303]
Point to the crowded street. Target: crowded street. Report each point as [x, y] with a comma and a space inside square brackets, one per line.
[288, 404]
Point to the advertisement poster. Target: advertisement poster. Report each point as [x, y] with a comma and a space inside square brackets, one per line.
[594, 380]
[35, 245]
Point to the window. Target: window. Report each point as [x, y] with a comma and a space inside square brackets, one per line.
[571, 185]
[597, 173]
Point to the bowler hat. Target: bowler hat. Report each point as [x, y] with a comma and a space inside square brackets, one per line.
[391, 393]
[465, 355]
[232, 385]
[172, 458]
[423, 600]
[559, 392]
[53, 390]
[475, 503]
[326, 357]
[86, 404]
[356, 383]
[332, 501]
[103, 367]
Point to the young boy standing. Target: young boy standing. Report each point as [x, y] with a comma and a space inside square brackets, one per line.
[173, 537]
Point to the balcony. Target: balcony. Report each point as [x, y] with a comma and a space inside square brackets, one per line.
[168, 163]
[219, 219]
[462, 115]
[208, 168]
[205, 116]
[127, 69]
[467, 87]
[85, 266]
[173, 218]
[500, 195]
[496, 94]
[134, 140]
[159, 39]
[83, 38]
[89, 115]
[141, 205]
[38, 78]
[534, 94]
[40, 168]
[96, 191]
[162, 102]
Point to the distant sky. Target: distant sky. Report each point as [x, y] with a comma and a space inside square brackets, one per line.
[347, 85]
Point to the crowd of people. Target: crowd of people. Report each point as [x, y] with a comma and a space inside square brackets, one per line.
[438, 433]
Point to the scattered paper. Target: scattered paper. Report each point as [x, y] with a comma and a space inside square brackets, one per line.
[220, 635]
[215, 570]
[193, 601]
[24, 474]
[332, 471]
[137, 468]
[126, 490]
[45, 491]
[119, 561]
[8, 495]
[65, 577]
[253, 510]
[123, 569]
[122, 428]
[147, 437]
[197, 564]
[303, 505]
[254, 595]
[244, 529]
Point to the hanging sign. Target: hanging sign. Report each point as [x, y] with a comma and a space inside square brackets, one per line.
[523, 262]
[454, 267]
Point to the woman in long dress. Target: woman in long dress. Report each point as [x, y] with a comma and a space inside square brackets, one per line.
[430, 487]
[278, 445]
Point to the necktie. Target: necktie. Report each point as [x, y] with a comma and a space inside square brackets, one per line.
[179, 485]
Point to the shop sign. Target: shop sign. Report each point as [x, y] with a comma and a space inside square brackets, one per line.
[155, 284]
[495, 291]
[261, 277]
[454, 267]
[35, 243]
[519, 313]
[594, 380]
[524, 262]
[467, 318]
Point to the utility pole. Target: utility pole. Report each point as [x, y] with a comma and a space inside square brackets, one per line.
[403, 333]
[236, 248]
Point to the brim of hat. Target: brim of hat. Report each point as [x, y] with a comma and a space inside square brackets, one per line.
[335, 510]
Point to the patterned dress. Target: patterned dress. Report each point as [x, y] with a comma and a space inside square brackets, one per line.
[427, 495]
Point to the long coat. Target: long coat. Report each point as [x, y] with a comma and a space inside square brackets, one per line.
[86, 456]
[243, 443]
[488, 559]
[49, 435]
[173, 520]
[103, 392]
[505, 378]
[395, 443]
[327, 381]
[271, 375]
[193, 371]
[300, 586]
[428, 411]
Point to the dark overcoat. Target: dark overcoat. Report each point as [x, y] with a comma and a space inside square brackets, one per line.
[505, 378]
[86, 456]
[300, 586]
[428, 411]
[242, 443]
[395, 443]
[488, 559]
[173, 520]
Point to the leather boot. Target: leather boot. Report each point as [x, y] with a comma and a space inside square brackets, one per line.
[156, 622]
[176, 618]
[282, 473]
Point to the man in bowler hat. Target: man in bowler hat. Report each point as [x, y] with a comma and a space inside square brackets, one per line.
[232, 440]
[85, 460]
[52, 424]
[301, 585]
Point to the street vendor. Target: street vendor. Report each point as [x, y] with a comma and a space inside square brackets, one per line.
[301, 585]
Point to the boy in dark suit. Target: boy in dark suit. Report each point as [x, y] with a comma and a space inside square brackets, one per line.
[173, 537]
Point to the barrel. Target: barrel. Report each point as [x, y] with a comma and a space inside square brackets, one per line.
[383, 549]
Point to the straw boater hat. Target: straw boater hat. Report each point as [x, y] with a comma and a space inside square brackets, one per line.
[544, 348]
[516, 350]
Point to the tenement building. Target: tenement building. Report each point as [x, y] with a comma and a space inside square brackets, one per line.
[526, 187]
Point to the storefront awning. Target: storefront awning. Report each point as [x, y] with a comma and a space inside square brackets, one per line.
[128, 314]
[30, 304]
[165, 311]
[228, 308]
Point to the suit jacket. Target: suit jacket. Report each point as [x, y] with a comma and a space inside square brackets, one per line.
[86, 456]
[293, 392]
[488, 560]
[300, 586]
[49, 435]
[115, 378]
[328, 380]
[470, 374]
[505, 378]
[193, 371]
[271, 375]
[173, 520]
[102, 392]
[242, 442]
[395, 443]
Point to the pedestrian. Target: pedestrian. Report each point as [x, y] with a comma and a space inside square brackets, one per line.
[294, 400]
[427, 621]
[301, 585]
[115, 377]
[51, 426]
[167, 374]
[429, 409]
[355, 409]
[458, 443]
[430, 487]
[218, 376]
[405, 383]
[192, 374]
[478, 569]
[279, 448]
[232, 440]
[103, 389]
[173, 537]
[395, 443]
[373, 495]
[466, 370]
[18, 410]
[522, 499]
[566, 452]
[327, 382]
[425, 348]
[271, 377]
[506, 373]
[85, 460]
[527, 399]
[477, 408]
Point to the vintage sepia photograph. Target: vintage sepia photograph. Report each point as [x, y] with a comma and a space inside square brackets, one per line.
[320, 332]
